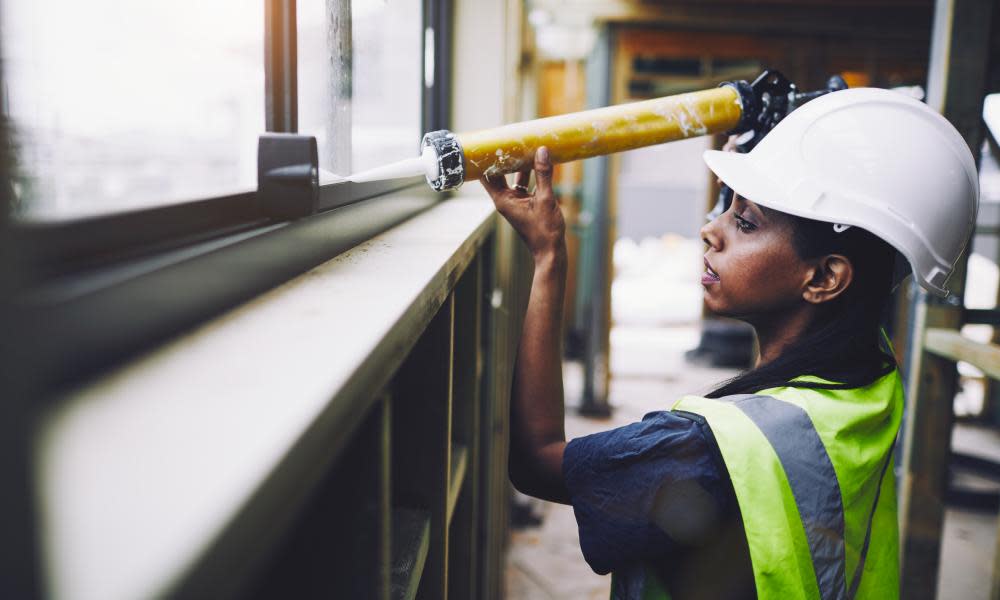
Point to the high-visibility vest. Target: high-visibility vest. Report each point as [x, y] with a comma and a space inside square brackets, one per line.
[812, 470]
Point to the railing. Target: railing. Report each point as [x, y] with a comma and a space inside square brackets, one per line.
[950, 344]
[342, 436]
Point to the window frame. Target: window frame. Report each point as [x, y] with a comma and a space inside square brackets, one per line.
[85, 294]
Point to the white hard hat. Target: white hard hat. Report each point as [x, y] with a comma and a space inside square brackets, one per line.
[870, 158]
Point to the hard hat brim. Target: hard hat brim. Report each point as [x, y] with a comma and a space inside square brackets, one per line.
[739, 173]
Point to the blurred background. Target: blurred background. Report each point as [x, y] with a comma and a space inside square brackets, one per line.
[218, 386]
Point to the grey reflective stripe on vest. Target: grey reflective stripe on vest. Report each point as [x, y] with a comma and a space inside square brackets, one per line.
[813, 481]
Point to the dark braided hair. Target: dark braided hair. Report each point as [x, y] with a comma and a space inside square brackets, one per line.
[844, 344]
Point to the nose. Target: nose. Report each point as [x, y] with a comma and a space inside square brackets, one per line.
[711, 235]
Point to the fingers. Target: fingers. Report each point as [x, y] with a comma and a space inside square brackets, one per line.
[543, 172]
[497, 185]
[522, 180]
[494, 184]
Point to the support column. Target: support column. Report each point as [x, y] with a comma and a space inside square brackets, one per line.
[280, 66]
[955, 87]
[594, 291]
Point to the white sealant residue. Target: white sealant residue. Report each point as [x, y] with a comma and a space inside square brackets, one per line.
[326, 177]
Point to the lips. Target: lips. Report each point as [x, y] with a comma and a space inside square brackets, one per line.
[709, 276]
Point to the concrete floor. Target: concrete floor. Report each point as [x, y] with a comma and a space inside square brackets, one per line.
[649, 373]
[970, 537]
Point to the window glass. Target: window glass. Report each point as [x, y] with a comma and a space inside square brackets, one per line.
[324, 79]
[364, 110]
[119, 105]
[388, 80]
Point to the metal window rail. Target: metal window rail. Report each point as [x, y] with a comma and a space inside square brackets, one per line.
[50, 250]
[134, 279]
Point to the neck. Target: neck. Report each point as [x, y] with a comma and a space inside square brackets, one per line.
[776, 332]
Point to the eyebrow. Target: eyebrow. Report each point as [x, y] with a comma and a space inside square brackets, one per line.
[762, 211]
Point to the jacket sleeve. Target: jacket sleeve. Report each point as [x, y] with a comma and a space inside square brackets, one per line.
[645, 490]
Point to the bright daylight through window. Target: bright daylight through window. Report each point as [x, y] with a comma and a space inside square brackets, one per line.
[128, 105]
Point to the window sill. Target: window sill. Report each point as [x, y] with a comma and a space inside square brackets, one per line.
[177, 469]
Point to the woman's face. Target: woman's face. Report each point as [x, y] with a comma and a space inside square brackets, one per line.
[751, 267]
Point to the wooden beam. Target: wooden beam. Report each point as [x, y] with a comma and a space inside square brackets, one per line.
[952, 345]
[886, 21]
[960, 53]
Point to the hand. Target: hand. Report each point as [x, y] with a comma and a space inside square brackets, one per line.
[536, 216]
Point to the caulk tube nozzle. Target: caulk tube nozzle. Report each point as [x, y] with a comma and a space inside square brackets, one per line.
[449, 171]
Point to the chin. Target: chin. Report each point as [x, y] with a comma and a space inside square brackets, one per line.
[715, 305]
[721, 308]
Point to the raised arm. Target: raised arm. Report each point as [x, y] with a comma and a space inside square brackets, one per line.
[538, 437]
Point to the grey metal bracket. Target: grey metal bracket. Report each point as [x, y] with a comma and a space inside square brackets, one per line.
[287, 175]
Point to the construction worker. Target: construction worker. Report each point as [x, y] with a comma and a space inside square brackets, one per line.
[778, 483]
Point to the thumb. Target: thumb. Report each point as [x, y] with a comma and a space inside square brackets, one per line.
[543, 171]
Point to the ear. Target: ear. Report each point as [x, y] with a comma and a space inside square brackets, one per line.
[831, 276]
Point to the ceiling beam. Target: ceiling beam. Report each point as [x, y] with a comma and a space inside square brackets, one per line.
[883, 19]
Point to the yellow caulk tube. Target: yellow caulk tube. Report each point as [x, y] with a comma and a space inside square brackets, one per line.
[451, 158]
[447, 159]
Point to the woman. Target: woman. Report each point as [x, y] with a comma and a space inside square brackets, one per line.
[779, 483]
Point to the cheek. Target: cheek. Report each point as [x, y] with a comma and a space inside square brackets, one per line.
[761, 274]
[771, 267]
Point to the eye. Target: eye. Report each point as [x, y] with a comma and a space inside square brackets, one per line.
[743, 225]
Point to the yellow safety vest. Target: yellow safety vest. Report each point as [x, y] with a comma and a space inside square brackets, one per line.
[812, 472]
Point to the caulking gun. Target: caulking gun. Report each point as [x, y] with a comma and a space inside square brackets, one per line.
[738, 107]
